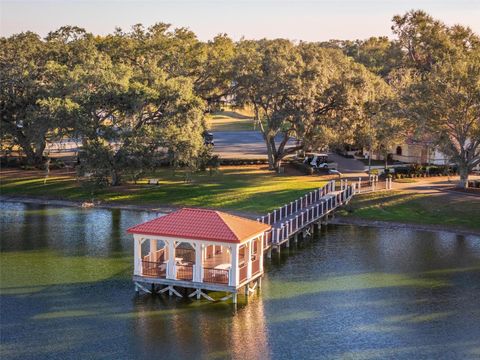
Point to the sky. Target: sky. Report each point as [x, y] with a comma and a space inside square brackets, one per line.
[309, 20]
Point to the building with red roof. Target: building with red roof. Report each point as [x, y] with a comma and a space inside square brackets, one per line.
[198, 249]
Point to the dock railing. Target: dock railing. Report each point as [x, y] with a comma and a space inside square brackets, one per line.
[242, 272]
[219, 276]
[154, 269]
[295, 206]
[371, 183]
[255, 265]
[293, 217]
[184, 272]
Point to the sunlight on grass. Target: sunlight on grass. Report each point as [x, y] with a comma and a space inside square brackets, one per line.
[252, 189]
[404, 206]
[230, 121]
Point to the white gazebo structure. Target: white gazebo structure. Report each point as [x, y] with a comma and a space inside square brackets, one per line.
[200, 250]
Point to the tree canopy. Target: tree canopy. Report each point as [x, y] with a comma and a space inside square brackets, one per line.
[443, 99]
[303, 91]
[137, 98]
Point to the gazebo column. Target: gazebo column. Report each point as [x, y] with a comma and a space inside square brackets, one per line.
[153, 249]
[198, 268]
[260, 251]
[171, 270]
[233, 276]
[249, 249]
[137, 255]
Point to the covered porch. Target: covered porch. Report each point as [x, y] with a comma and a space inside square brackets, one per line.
[224, 254]
[199, 261]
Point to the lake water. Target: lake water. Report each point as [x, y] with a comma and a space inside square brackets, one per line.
[353, 292]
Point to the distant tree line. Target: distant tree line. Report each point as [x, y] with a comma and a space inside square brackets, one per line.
[139, 97]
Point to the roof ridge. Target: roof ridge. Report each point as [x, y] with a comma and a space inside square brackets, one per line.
[236, 216]
[219, 214]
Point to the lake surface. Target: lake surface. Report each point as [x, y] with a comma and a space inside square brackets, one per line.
[353, 292]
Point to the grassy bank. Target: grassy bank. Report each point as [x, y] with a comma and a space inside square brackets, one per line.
[248, 189]
[445, 209]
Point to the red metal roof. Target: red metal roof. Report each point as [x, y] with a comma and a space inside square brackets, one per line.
[201, 224]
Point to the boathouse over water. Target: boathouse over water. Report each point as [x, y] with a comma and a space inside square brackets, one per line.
[200, 250]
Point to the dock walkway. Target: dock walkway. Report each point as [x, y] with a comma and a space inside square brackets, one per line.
[314, 207]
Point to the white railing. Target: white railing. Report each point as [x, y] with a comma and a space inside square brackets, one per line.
[293, 207]
[371, 183]
[308, 209]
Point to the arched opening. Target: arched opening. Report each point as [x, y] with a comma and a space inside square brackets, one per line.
[154, 258]
[184, 260]
[399, 150]
[217, 264]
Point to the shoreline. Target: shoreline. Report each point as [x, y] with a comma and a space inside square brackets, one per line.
[159, 209]
[338, 220]
[342, 220]
[79, 204]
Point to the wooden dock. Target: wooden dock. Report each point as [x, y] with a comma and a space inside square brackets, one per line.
[200, 250]
[301, 215]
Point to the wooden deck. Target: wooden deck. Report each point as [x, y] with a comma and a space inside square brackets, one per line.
[217, 259]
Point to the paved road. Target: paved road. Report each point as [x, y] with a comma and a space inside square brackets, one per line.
[347, 165]
[241, 144]
[250, 145]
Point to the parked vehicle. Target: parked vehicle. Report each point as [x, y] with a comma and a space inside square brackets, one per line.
[208, 138]
[319, 161]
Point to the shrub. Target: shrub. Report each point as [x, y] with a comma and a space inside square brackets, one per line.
[403, 170]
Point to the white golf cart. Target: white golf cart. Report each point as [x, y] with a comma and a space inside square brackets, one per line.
[319, 161]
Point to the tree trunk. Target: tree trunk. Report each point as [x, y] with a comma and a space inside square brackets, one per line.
[277, 163]
[116, 178]
[369, 159]
[34, 155]
[270, 152]
[463, 171]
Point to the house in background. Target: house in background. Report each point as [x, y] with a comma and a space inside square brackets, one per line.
[413, 151]
[418, 152]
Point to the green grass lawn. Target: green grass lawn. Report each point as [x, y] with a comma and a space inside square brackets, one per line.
[405, 181]
[446, 209]
[230, 121]
[246, 189]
